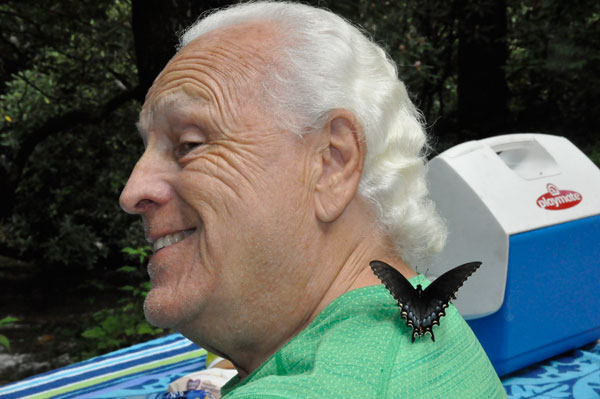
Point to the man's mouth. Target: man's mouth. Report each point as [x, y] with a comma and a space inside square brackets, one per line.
[170, 239]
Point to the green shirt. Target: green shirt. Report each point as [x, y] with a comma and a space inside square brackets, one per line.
[360, 347]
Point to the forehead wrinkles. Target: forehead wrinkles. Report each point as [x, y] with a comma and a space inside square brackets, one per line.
[223, 72]
[167, 100]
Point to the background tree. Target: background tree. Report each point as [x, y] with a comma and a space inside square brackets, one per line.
[64, 99]
[553, 70]
[69, 75]
[482, 54]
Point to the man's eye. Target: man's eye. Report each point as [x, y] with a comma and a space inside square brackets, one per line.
[184, 148]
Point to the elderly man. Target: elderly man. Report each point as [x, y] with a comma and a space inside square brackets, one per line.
[282, 155]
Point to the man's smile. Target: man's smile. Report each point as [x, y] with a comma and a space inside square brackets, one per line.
[170, 239]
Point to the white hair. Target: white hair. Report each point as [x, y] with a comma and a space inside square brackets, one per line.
[326, 63]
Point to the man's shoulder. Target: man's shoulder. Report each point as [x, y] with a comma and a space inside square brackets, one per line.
[359, 346]
[339, 353]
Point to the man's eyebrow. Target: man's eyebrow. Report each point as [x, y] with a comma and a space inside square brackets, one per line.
[141, 131]
[143, 123]
[170, 100]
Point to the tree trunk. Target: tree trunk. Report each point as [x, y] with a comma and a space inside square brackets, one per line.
[11, 176]
[482, 54]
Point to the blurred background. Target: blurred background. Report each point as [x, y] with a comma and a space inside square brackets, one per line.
[73, 75]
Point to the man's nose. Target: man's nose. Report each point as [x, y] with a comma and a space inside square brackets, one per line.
[147, 187]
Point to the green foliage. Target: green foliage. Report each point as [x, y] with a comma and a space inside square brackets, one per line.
[74, 58]
[141, 252]
[4, 341]
[114, 328]
[117, 328]
[554, 67]
[421, 37]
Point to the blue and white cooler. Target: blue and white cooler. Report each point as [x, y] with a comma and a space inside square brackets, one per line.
[528, 207]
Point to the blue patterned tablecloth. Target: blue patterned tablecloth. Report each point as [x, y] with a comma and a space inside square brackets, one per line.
[145, 369]
[575, 374]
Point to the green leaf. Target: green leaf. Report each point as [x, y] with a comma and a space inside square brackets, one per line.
[111, 324]
[127, 269]
[130, 251]
[144, 328]
[100, 314]
[142, 252]
[93, 333]
[4, 342]
[8, 320]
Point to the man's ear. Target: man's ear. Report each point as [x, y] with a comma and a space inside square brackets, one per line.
[341, 160]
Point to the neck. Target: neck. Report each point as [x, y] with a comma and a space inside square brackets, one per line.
[353, 246]
[336, 261]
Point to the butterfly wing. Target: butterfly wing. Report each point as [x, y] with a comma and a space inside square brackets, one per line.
[444, 288]
[400, 288]
[402, 291]
[437, 295]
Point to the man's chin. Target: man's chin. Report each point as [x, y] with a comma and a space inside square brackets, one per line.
[159, 312]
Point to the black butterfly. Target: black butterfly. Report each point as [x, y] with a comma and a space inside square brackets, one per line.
[422, 309]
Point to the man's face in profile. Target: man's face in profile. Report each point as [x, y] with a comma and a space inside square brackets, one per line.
[222, 190]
